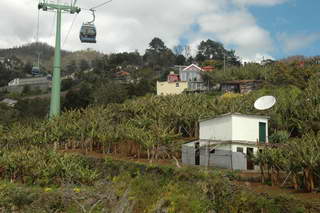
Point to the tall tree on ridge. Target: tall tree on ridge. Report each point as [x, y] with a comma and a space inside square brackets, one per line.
[212, 50]
[158, 55]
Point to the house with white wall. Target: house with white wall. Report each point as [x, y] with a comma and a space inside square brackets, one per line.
[191, 73]
[9, 102]
[189, 79]
[38, 83]
[227, 141]
[28, 81]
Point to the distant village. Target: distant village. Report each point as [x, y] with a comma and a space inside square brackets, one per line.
[181, 79]
[190, 79]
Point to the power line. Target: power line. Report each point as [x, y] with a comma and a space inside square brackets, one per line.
[53, 24]
[95, 7]
[73, 3]
[100, 5]
[38, 26]
[37, 46]
[71, 26]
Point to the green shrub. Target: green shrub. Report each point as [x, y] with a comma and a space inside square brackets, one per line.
[15, 196]
[45, 167]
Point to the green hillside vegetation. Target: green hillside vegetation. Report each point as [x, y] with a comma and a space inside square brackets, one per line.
[150, 125]
[53, 182]
[108, 115]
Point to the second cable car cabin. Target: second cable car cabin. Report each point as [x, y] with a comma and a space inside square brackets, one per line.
[88, 33]
[35, 71]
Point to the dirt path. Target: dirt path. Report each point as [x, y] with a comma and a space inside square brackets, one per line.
[121, 157]
[275, 190]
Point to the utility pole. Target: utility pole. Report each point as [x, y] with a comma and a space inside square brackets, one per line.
[56, 81]
[38, 60]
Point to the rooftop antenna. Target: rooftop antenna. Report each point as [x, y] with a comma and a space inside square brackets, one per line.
[264, 102]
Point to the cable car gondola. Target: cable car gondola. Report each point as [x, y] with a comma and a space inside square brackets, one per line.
[88, 31]
[35, 71]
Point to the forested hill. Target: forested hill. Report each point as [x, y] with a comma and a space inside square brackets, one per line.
[28, 55]
[26, 51]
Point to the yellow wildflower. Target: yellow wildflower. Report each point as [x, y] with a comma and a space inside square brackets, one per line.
[48, 189]
[77, 190]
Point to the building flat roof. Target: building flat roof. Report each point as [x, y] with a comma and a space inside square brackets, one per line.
[203, 142]
[241, 81]
[234, 113]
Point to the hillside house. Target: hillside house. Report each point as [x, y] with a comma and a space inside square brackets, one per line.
[123, 77]
[173, 85]
[9, 102]
[189, 79]
[28, 81]
[240, 86]
[208, 68]
[191, 73]
[18, 84]
[227, 141]
[172, 77]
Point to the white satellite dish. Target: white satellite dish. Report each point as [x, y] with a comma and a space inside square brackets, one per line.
[265, 102]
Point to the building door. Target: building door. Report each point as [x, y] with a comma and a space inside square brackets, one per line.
[197, 153]
[250, 163]
[262, 132]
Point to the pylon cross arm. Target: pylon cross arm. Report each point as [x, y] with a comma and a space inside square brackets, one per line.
[67, 8]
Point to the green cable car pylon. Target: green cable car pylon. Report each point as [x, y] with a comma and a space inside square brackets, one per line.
[56, 80]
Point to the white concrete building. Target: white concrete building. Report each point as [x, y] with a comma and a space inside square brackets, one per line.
[235, 127]
[9, 102]
[28, 81]
[227, 141]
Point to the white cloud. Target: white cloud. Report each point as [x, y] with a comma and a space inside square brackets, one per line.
[238, 28]
[298, 41]
[129, 25]
[258, 2]
[258, 57]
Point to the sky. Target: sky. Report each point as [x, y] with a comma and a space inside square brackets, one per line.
[255, 29]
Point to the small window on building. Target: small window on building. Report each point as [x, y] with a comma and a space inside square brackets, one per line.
[177, 84]
[240, 149]
[212, 151]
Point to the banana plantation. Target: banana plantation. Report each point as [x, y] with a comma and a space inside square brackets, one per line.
[154, 127]
[38, 172]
